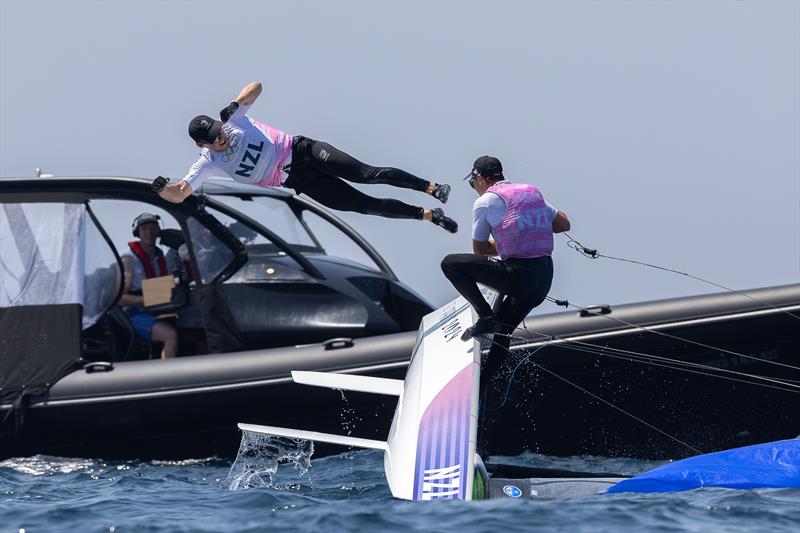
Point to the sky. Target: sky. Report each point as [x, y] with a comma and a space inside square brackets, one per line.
[669, 132]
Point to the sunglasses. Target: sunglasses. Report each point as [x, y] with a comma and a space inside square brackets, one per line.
[216, 139]
[471, 177]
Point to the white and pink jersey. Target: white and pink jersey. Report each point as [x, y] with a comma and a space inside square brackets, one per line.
[256, 154]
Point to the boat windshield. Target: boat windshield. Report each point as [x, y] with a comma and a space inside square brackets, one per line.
[308, 232]
[275, 214]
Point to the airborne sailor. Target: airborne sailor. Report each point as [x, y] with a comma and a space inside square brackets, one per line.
[251, 152]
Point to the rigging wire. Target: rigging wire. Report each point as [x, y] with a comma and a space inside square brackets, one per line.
[677, 365]
[674, 364]
[694, 372]
[566, 303]
[600, 350]
[650, 359]
[596, 397]
[592, 253]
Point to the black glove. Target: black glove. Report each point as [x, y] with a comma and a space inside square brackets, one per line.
[226, 113]
[159, 183]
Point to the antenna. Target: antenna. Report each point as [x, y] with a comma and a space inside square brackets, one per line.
[38, 173]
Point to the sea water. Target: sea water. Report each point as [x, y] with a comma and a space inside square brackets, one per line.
[273, 486]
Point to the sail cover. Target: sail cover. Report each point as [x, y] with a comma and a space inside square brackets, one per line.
[52, 254]
[42, 247]
[42, 286]
[773, 465]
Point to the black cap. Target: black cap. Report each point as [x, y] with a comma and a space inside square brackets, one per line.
[489, 167]
[204, 129]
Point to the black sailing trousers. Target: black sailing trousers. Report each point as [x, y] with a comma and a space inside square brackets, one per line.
[316, 170]
[522, 283]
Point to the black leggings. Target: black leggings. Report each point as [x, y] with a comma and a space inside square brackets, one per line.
[524, 283]
[316, 165]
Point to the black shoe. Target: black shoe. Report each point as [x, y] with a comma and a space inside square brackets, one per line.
[441, 192]
[483, 326]
[438, 217]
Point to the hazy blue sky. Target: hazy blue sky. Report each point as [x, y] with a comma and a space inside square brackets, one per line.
[668, 131]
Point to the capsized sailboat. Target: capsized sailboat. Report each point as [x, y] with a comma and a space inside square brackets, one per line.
[430, 453]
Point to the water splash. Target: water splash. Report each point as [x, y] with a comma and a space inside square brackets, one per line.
[259, 457]
[348, 416]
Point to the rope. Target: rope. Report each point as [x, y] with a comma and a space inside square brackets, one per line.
[511, 378]
[594, 254]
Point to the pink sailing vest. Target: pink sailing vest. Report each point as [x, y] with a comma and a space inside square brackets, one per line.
[526, 230]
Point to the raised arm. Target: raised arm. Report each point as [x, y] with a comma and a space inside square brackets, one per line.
[249, 94]
[246, 97]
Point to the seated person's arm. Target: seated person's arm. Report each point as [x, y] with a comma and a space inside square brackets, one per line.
[561, 223]
[129, 300]
[484, 247]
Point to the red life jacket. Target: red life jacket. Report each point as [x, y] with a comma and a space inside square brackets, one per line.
[138, 251]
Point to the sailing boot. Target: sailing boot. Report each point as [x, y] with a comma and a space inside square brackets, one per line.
[440, 219]
[483, 326]
[441, 192]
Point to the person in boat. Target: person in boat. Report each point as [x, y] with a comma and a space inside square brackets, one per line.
[522, 224]
[142, 260]
[252, 152]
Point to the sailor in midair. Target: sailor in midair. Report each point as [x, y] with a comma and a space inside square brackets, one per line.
[252, 152]
[522, 224]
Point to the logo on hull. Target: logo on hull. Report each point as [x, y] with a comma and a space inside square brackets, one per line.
[441, 483]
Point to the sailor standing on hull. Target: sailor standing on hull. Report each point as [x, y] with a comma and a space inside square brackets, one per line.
[522, 224]
[251, 152]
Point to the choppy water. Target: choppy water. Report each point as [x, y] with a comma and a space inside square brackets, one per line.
[346, 492]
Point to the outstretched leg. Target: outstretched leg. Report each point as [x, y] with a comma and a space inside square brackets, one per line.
[307, 176]
[330, 160]
[334, 193]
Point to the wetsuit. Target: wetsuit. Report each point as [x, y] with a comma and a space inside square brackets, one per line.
[261, 155]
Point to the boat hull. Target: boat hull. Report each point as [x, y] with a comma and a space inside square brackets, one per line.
[188, 407]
